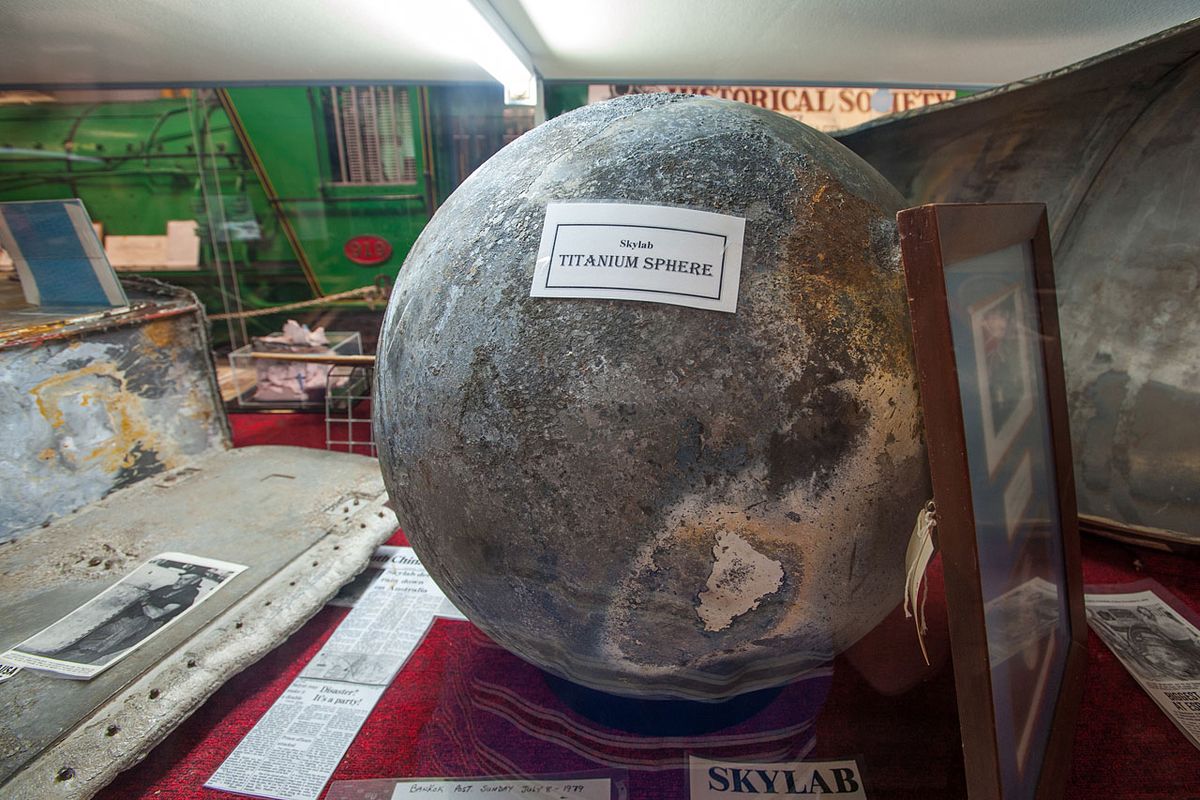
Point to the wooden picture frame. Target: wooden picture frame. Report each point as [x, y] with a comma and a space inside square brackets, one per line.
[985, 326]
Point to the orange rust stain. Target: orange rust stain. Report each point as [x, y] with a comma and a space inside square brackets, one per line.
[840, 290]
[103, 384]
[161, 333]
[38, 330]
[48, 454]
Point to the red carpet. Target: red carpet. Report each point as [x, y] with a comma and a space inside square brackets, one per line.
[462, 706]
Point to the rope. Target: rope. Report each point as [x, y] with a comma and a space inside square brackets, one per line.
[372, 293]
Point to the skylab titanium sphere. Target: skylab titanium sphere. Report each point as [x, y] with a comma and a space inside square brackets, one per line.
[649, 499]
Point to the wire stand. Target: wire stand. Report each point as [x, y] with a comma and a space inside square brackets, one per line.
[348, 409]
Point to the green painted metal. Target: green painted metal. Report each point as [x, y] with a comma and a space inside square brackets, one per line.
[133, 163]
[137, 165]
[287, 129]
[564, 97]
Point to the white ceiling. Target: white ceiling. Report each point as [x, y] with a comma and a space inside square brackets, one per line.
[890, 42]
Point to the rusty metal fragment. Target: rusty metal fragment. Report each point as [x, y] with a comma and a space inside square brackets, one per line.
[96, 402]
[114, 448]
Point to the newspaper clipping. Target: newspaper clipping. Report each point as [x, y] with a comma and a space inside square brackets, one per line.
[124, 616]
[1159, 647]
[354, 590]
[293, 750]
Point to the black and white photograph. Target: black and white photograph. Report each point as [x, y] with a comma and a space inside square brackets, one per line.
[124, 616]
[1003, 368]
[1152, 639]
[1023, 648]
[1157, 639]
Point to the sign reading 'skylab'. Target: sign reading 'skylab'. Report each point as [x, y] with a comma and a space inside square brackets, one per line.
[656, 254]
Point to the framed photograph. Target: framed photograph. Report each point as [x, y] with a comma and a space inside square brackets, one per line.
[985, 327]
[1005, 386]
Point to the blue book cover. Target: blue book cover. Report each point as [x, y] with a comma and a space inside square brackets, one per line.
[58, 255]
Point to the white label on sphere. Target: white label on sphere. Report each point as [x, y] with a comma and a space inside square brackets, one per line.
[656, 254]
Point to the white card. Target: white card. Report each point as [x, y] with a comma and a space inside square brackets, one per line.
[720, 780]
[570, 789]
[655, 254]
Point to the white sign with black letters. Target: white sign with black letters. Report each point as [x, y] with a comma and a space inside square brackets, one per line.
[656, 254]
[721, 780]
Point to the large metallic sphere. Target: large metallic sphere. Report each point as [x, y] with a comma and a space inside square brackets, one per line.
[649, 499]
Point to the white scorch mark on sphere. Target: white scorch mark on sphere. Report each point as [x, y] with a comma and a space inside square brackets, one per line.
[741, 577]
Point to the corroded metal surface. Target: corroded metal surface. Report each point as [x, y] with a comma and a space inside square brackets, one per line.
[1110, 145]
[114, 437]
[650, 499]
[305, 521]
[96, 402]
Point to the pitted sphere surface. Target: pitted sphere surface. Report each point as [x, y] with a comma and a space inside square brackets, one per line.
[649, 499]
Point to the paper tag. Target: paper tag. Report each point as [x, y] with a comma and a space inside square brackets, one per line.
[916, 560]
[574, 789]
[7, 671]
[655, 254]
[721, 780]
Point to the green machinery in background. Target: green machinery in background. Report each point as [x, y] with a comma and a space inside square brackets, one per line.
[298, 192]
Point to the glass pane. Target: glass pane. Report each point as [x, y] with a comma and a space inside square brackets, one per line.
[1002, 383]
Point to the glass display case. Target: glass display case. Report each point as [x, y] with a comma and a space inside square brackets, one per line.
[263, 382]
